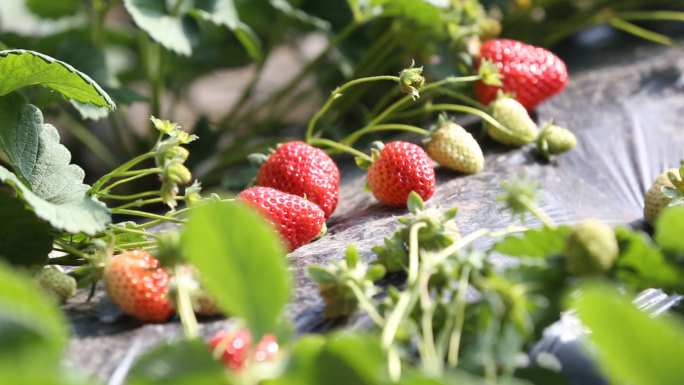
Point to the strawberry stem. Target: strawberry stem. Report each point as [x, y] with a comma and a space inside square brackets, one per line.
[125, 167]
[129, 197]
[366, 305]
[338, 93]
[455, 339]
[481, 114]
[139, 203]
[538, 212]
[146, 215]
[341, 147]
[184, 303]
[383, 127]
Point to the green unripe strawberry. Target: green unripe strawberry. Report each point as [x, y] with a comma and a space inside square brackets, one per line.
[56, 283]
[520, 129]
[554, 140]
[453, 147]
[663, 193]
[590, 248]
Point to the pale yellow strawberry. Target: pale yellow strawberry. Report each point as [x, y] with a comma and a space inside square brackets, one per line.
[453, 147]
[520, 129]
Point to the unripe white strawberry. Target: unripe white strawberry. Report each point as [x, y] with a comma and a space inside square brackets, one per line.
[554, 140]
[56, 283]
[590, 248]
[520, 128]
[453, 147]
[656, 200]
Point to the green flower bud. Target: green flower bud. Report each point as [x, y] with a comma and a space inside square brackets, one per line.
[164, 126]
[168, 194]
[179, 152]
[176, 173]
[412, 81]
[192, 194]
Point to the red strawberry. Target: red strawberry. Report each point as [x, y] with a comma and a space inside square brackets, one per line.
[300, 169]
[400, 168]
[532, 73]
[299, 220]
[137, 284]
[236, 355]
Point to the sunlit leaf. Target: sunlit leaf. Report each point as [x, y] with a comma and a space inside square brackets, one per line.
[21, 68]
[668, 229]
[238, 253]
[540, 243]
[633, 347]
[46, 181]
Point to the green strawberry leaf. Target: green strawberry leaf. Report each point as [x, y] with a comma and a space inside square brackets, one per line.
[424, 13]
[178, 32]
[239, 254]
[668, 228]
[24, 239]
[73, 213]
[642, 265]
[174, 33]
[53, 9]
[183, 362]
[287, 8]
[319, 274]
[349, 359]
[21, 68]
[541, 243]
[33, 331]
[633, 347]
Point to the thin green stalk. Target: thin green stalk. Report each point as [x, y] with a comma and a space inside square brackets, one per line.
[366, 305]
[481, 114]
[455, 339]
[356, 11]
[146, 171]
[463, 98]
[136, 245]
[385, 127]
[125, 167]
[92, 142]
[430, 361]
[394, 363]
[67, 260]
[184, 303]
[146, 215]
[643, 33]
[538, 212]
[71, 250]
[158, 221]
[407, 297]
[131, 230]
[405, 99]
[284, 91]
[338, 93]
[650, 15]
[129, 197]
[341, 147]
[145, 202]
[122, 181]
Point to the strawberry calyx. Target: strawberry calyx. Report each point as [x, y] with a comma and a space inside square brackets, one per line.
[341, 283]
[676, 193]
[411, 80]
[440, 229]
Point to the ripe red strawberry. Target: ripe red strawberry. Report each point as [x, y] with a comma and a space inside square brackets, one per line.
[137, 284]
[300, 169]
[532, 73]
[299, 220]
[400, 168]
[237, 353]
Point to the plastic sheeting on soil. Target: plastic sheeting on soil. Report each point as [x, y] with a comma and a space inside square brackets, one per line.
[627, 115]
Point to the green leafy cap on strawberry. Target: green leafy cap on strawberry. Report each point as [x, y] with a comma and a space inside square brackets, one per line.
[490, 73]
[676, 193]
[521, 193]
[338, 282]
[440, 230]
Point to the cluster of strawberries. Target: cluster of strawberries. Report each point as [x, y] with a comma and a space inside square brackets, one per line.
[298, 184]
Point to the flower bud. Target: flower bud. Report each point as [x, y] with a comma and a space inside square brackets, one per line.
[177, 152]
[164, 126]
[412, 81]
[192, 194]
[168, 194]
[176, 173]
